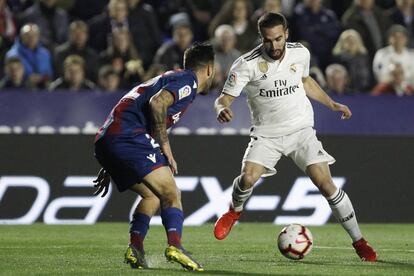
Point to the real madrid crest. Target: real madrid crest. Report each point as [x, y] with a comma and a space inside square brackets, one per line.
[263, 67]
[292, 68]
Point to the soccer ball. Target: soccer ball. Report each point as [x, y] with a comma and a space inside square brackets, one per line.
[295, 241]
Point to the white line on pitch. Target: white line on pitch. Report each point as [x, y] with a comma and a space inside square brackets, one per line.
[379, 249]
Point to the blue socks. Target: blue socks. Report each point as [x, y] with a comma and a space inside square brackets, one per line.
[138, 229]
[172, 219]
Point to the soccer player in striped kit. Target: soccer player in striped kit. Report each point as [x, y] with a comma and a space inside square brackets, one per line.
[133, 148]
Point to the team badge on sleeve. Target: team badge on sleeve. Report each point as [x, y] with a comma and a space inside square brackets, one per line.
[184, 92]
[231, 80]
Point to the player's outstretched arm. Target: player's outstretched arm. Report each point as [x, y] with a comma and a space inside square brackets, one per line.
[315, 92]
[222, 107]
[159, 104]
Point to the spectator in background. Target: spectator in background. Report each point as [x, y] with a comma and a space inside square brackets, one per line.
[201, 12]
[7, 30]
[108, 79]
[337, 79]
[14, 75]
[370, 22]
[170, 54]
[273, 6]
[339, 7]
[73, 77]
[52, 21]
[403, 14]
[396, 52]
[237, 13]
[76, 45]
[35, 58]
[166, 9]
[84, 10]
[395, 84]
[146, 33]
[123, 57]
[18, 6]
[226, 53]
[318, 26]
[102, 25]
[7, 26]
[351, 53]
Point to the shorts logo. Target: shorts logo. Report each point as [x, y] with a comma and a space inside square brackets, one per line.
[152, 157]
[231, 80]
[263, 67]
[184, 92]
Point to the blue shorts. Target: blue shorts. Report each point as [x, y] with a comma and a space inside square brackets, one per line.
[128, 159]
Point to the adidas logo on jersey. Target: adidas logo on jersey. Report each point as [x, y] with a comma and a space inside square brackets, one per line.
[264, 77]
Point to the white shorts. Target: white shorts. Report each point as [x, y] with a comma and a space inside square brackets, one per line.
[303, 147]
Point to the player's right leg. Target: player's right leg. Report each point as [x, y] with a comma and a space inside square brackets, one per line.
[259, 160]
[138, 227]
[242, 190]
[161, 182]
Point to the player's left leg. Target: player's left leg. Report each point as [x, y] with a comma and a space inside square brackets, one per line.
[341, 208]
[139, 225]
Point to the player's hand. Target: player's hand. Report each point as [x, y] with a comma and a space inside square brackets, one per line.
[346, 112]
[102, 183]
[173, 165]
[225, 115]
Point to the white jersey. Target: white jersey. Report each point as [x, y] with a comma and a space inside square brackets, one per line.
[275, 94]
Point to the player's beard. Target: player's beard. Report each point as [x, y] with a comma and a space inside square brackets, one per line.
[278, 53]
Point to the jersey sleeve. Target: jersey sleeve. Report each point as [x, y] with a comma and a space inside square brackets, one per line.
[180, 89]
[306, 63]
[237, 79]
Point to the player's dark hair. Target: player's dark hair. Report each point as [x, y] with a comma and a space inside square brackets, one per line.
[270, 20]
[198, 56]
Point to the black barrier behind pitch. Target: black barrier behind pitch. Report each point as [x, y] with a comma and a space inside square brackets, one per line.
[376, 172]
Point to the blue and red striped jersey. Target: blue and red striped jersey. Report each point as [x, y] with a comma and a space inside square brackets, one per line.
[132, 113]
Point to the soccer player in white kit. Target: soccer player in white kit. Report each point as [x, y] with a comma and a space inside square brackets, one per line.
[275, 76]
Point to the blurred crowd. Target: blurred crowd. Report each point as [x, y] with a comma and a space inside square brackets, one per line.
[357, 46]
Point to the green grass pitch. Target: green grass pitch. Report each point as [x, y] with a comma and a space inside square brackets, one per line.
[249, 250]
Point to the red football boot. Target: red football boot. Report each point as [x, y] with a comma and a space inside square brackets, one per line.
[225, 223]
[365, 251]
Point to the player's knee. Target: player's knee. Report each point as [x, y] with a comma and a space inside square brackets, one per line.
[248, 180]
[154, 201]
[325, 186]
[169, 197]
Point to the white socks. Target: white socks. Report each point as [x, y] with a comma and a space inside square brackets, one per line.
[344, 212]
[239, 196]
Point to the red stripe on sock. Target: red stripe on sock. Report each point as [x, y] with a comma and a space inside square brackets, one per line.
[137, 241]
[174, 239]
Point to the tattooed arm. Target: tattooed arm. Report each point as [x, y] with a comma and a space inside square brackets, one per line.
[159, 104]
